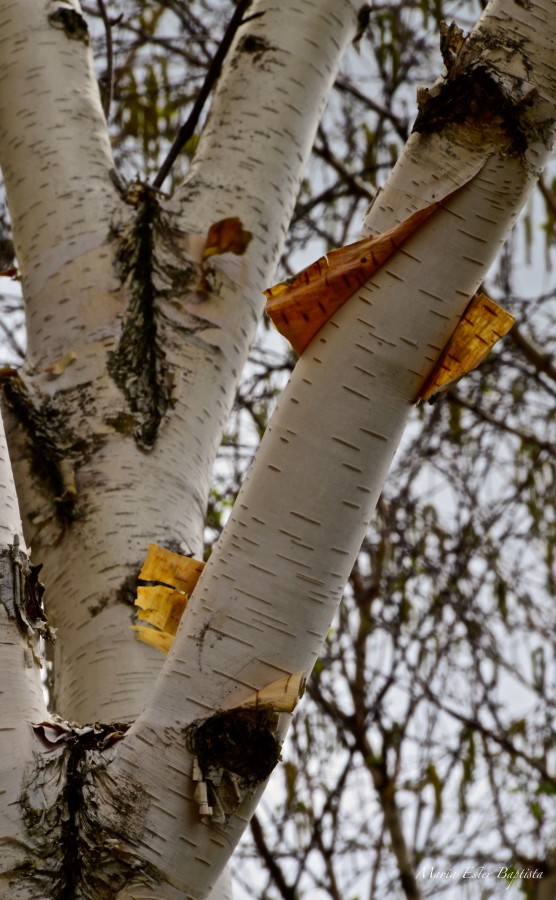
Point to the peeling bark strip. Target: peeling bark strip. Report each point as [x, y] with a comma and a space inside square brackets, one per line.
[21, 594]
[482, 325]
[301, 306]
[170, 579]
[139, 365]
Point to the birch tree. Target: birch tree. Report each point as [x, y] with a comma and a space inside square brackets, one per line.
[140, 311]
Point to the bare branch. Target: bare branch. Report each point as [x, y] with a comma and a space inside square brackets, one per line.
[187, 130]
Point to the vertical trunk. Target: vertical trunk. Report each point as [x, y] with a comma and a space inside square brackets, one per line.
[21, 695]
[135, 341]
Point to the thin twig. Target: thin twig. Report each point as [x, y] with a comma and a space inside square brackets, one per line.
[542, 361]
[525, 436]
[500, 739]
[356, 184]
[12, 340]
[109, 88]
[400, 126]
[548, 196]
[187, 130]
[287, 892]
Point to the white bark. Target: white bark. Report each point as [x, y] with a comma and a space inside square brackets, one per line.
[249, 166]
[10, 519]
[269, 592]
[106, 495]
[21, 696]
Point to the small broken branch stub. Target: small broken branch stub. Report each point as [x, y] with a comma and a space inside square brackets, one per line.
[71, 22]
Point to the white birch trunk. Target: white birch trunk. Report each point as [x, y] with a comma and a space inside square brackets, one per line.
[21, 695]
[268, 594]
[106, 460]
[266, 599]
[70, 229]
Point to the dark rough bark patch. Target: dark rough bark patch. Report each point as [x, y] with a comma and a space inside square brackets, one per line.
[48, 434]
[253, 44]
[125, 595]
[71, 872]
[236, 751]
[139, 366]
[75, 872]
[71, 23]
[242, 741]
[127, 591]
[83, 852]
[256, 47]
[473, 97]
[96, 608]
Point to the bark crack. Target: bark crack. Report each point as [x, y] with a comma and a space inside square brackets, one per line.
[21, 594]
[72, 799]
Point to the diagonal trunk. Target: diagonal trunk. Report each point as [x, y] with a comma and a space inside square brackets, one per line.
[269, 592]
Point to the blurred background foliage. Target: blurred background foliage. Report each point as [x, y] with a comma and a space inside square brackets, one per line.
[426, 742]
